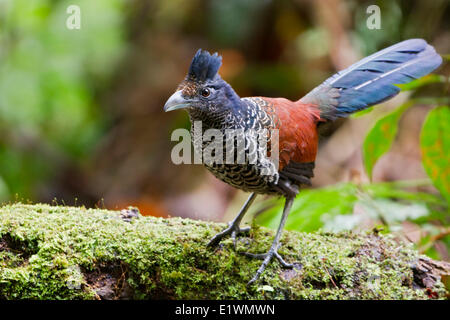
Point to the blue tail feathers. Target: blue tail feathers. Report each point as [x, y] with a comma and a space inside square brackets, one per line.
[372, 79]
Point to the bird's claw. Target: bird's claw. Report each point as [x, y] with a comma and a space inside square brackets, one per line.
[233, 231]
[267, 257]
[262, 256]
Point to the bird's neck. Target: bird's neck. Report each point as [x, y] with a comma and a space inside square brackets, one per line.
[220, 119]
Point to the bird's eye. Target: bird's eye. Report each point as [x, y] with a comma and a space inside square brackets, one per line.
[205, 92]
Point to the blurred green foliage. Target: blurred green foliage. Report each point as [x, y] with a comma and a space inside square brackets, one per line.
[435, 135]
[48, 79]
[233, 21]
[348, 206]
[381, 136]
[435, 147]
[331, 208]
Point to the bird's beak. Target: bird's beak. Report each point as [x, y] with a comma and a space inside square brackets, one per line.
[176, 101]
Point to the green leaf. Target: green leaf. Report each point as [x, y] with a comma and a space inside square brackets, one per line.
[435, 148]
[308, 208]
[331, 208]
[361, 113]
[431, 78]
[399, 190]
[380, 137]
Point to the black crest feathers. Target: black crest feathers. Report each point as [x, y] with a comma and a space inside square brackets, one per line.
[204, 66]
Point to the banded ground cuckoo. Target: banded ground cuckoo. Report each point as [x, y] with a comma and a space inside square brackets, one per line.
[211, 100]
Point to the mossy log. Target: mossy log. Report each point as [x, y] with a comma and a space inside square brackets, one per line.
[55, 252]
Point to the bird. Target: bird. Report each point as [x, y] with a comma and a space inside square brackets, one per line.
[212, 102]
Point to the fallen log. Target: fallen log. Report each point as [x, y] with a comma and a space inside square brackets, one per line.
[57, 252]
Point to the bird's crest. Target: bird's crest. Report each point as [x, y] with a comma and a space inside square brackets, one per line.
[204, 66]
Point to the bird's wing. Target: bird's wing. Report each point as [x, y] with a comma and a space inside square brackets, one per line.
[298, 138]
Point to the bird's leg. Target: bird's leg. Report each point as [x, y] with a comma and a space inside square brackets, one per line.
[233, 226]
[273, 251]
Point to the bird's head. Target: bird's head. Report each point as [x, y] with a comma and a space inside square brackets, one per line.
[203, 91]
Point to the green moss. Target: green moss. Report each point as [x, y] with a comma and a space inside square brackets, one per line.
[51, 252]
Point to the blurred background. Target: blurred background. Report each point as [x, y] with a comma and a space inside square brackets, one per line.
[81, 119]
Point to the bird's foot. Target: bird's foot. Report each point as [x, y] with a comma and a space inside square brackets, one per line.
[233, 230]
[267, 257]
